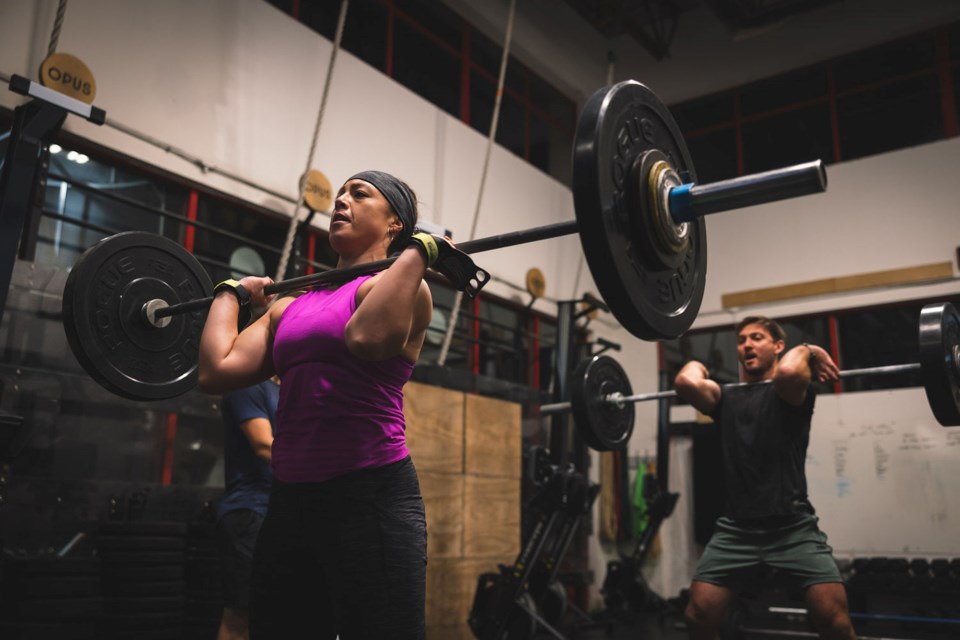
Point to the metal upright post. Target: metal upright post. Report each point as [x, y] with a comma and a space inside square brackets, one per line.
[34, 125]
[560, 423]
[663, 435]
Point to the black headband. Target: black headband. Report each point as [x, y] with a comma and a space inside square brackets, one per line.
[400, 199]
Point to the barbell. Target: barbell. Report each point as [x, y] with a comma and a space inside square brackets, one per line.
[602, 401]
[134, 304]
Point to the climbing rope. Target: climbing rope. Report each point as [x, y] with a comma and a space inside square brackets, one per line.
[57, 25]
[295, 218]
[491, 138]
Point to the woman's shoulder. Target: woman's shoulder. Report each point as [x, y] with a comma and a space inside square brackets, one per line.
[279, 306]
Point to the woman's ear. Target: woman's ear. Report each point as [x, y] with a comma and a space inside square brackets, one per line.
[396, 226]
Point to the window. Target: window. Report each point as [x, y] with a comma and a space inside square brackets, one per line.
[879, 337]
[708, 126]
[364, 32]
[78, 429]
[716, 349]
[433, 18]
[953, 41]
[495, 340]
[429, 49]
[784, 90]
[884, 62]
[503, 348]
[890, 117]
[425, 67]
[511, 126]
[956, 90]
[800, 135]
[873, 101]
[714, 155]
[87, 199]
[233, 243]
[705, 112]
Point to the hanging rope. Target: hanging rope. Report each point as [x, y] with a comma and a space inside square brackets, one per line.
[57, 25]
[295, 218]
[491, 138]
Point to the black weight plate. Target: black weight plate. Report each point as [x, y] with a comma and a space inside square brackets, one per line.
[940, 567]
[202, 564]
[172, 631]
[145, 604]
[617, 126]
[940, 361]
[603, 425]
[143, 528]
[56, 586]
[145, 625]
[65, 630]
[142, 543]
[51, 566]
[153, 588]
[102, 302]
[206, 610]
[139, 573]
[59, 608]
[141, 557]
[147, 619]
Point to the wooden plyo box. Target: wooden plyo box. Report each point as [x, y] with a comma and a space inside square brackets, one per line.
[467, 450]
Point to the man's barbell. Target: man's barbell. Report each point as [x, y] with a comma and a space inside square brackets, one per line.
[134, 304]
[601, 399]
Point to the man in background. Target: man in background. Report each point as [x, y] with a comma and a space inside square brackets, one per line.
[248, 418]
[768, 519]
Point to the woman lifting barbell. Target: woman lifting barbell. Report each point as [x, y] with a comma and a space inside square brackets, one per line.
[343, 547]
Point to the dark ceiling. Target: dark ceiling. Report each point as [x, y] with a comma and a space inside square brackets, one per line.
[653, 23]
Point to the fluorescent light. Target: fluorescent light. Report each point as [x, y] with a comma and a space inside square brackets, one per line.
[55, 148]
[82, 158]
[72, 155]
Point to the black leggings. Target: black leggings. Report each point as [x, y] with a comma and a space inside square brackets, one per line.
[347, 556]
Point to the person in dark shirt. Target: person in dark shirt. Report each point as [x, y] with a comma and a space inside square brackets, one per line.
[768, 521]
[248, 418]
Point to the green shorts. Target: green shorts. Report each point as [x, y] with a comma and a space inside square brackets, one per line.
[797, 549]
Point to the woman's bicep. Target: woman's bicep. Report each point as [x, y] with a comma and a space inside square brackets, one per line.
[423, 311]
[249, 361]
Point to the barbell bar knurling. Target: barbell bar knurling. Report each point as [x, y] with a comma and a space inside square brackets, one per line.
[789, 182]
[618, 399]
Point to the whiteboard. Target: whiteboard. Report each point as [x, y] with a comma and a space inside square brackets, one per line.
[884, 476]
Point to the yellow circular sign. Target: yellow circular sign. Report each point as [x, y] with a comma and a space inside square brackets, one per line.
[68, 75]
[536, 282]
[318, 192]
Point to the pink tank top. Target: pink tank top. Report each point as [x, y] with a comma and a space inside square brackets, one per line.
[337, 413]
